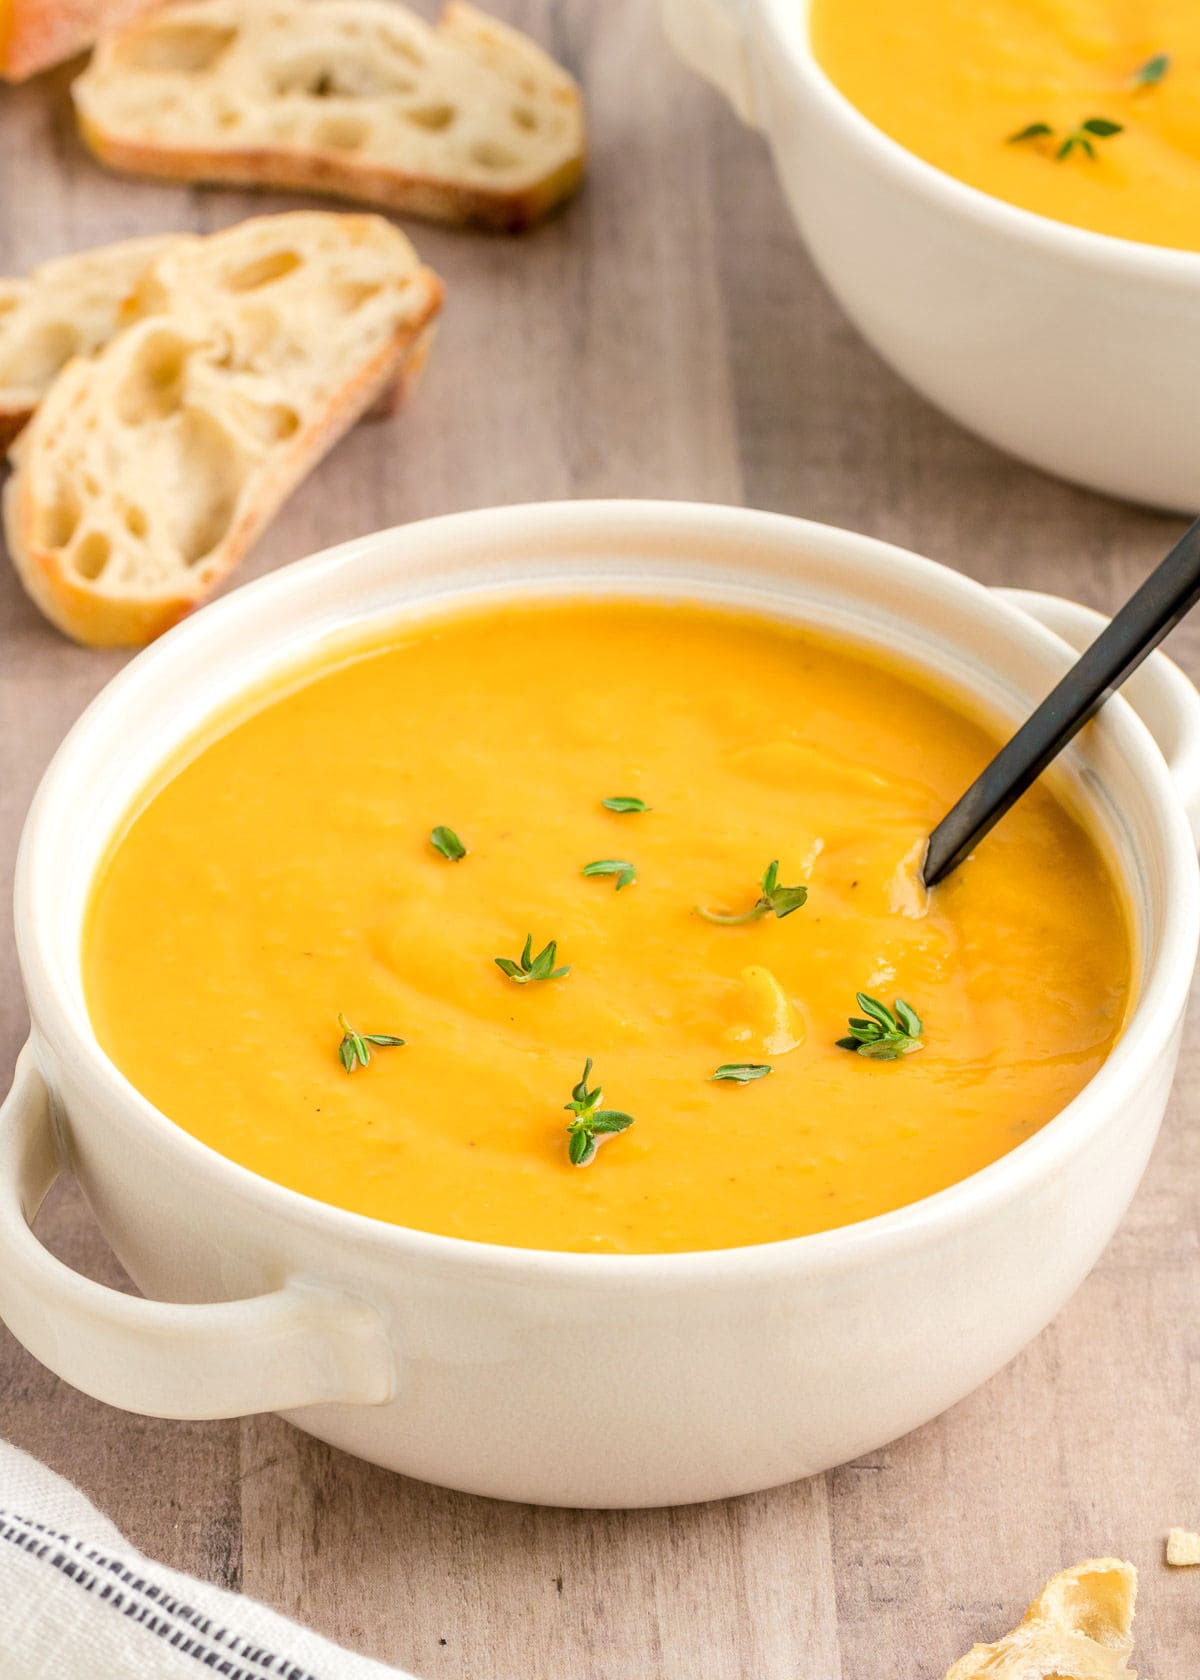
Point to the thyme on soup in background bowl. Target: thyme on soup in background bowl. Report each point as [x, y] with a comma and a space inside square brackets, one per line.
[1082, 137]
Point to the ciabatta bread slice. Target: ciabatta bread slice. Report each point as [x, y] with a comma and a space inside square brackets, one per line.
[34, 34]
[467, 121]
[149, 470]
[69, 307]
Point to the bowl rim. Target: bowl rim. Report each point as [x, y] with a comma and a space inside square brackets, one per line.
[1146, 1037]
[789, 26]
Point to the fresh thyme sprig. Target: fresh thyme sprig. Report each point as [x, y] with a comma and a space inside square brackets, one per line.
[620, 867]
[530, 967]
[591, 1123]
[773, 900]
[445, 840]
[881, 1035]
[742, 1073]
[1081, 136]
[1152, 72]
[353, 1051]
[623, 803]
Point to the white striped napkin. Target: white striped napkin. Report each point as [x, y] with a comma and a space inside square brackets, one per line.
[78, 1603]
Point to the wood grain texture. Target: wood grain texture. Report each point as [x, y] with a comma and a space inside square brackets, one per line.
[666, 336]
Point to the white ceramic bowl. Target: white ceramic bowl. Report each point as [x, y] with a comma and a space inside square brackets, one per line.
[1075, 351]
[568, 1378]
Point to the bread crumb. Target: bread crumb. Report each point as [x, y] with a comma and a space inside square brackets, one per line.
[1183, 1548]
[1079, 1626]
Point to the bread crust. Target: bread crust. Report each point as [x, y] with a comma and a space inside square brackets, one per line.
[304, 167]
[264, 169]
[13, 421]
[88, 612]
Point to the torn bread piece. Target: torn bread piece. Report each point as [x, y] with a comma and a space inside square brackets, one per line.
[468, 121]
[69, 307]
[1079, 1628]
[34, 34]
[1183, 1548]
[147, 472]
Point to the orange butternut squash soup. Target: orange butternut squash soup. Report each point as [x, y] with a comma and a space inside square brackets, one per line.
[672, 839]
[1087, 111]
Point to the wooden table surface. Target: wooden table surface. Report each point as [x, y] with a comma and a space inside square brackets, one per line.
[667, 337]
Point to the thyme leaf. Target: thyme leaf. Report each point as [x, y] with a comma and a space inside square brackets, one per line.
[773, 900]
[1152, 72]
[620, 867]
[742, 1073]
[530, 967]
[445, 840]
[354, 1049]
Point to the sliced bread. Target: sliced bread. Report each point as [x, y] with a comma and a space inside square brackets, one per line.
[149, 470]
[69, 307]
[467, 121]
[34, 34]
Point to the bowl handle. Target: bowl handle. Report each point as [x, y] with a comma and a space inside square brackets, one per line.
[303, 1345]
[710, 37]
[1160, 693]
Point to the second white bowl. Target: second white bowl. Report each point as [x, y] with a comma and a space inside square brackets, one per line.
[1074, 351]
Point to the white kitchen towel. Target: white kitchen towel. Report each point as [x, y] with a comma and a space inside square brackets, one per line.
[78, 1603]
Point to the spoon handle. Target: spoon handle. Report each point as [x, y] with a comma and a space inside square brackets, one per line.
[1171, 590]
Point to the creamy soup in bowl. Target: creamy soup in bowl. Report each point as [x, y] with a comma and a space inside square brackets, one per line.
[618, 777]
[267, 782]
[1086, 111]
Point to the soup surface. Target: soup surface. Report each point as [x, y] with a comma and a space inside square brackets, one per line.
[956, 80]
[283, 874]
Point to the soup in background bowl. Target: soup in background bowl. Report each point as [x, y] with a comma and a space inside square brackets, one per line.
[282, 876]
[1082, 110]
[484, 1365]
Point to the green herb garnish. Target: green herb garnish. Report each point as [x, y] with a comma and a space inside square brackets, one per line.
[353, 1051]
[1101, 127]
[1035, 131]
[741, 1073]
[1152, 72]
[622, 802]
[445, 840]
[620, 867]
[1081, 136]
[880, 1034]
[530, 967]
[591, 1123]
[773, 900]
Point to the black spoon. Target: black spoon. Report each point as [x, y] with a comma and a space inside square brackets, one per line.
[1168, 594]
